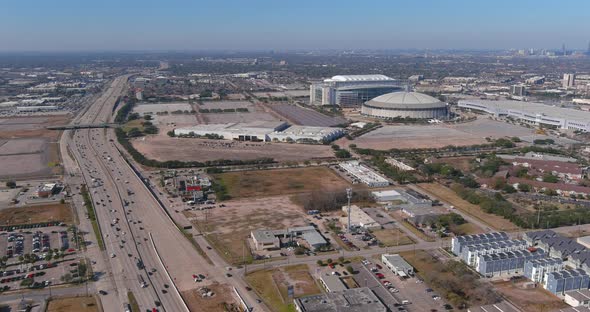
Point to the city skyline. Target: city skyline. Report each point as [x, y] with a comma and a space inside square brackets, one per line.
[66, 25]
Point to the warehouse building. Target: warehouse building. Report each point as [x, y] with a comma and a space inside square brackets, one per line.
[397, 265]
[566, 280]
[351, 90]
[533, 113]
[471, 253]
[350, 300]
[460, 242]
[577, 298]
[307, 134]
[359, 218]
[510, 262]
[405, 105]
[364, 174]
[536, 270]
[386, 196]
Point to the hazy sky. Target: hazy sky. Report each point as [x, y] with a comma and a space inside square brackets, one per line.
[63, 25]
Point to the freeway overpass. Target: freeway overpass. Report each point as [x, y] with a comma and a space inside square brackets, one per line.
[83, 126]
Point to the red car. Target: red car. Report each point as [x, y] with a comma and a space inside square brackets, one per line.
[380, 276]
[331, 265]
[378, 266]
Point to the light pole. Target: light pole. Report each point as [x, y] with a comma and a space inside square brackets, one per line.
[349, 197]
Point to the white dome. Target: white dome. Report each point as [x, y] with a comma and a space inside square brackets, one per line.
[396, 100]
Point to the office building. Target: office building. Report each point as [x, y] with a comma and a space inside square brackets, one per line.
[518, 90]
[351, 90]
[568, 81]
[397, 265]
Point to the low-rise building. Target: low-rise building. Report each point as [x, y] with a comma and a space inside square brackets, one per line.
[359, 218]
[471, 253]
[274, 239]
[577, 298]
[501, 306]
[265, 239]
[350, 300]
[386, 195]
[364, 174]
[460, 242]
[397, 265]
[332, 283]
[510, 262]
[536, 270]
[566, 280]
[46, 190]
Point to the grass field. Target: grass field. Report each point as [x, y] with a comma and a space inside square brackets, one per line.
[529, 299]
[74, 304]
[137, 123]
[392, 237]
[36, 214]
[271, 285]
[447, 195]
[280, 181]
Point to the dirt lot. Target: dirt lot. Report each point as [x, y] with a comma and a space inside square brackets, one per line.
[529, 300]
[222, 301]
[36, 214]
[27, 149]
[392, 237]
[280, 181]
[437, 136]
[76, 304]
[162, 147]
[228, 228]
[447, 195]
[460, 163]
[271, 285]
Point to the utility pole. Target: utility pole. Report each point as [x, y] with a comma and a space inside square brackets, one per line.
[349, 197]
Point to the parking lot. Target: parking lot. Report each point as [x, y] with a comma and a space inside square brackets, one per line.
[37, 241]
[399, 294]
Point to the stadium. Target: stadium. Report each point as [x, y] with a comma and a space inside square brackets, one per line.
[405, 105]
[351, 90]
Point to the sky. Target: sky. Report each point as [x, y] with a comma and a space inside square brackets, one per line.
[166, 25]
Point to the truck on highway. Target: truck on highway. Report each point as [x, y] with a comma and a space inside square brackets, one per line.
[142, 282]
[139, 264]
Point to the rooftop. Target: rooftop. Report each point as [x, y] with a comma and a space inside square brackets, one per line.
[406, 100]
[501, 306]
[345, 78]
[349, 300]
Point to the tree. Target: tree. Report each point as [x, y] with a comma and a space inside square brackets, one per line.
[170, 133]
[342, 153]
[329, 260]
[349, 269]
[11, 184]
[523, 187]
[134, 132]
[148, 117]
[550, 178]
[341, 259]
[320, 263]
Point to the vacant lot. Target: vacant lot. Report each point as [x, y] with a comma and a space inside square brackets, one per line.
[271, 285]
[224, 104]
[36, 214]
[27, 149]
[75, 304]
[228, 228]
[162, 147]
[152, 109]
[392, 237]
[223, 299]
[447, 195]
[529, 299]
[280, 181]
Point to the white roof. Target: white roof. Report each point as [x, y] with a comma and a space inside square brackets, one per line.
[359, 78]
[386, 193]
[405, 98]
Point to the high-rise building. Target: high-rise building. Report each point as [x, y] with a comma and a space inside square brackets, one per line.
[351, 90]
[568, 80]
[563, 49]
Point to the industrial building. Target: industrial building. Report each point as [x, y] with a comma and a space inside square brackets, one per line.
[510, 262]
[470, 254]
[405, 105]
[397, 265]
[386, 196]
[566, 280]
[536, 270]
[533, 113]
[364, 174]
[460, 242]
[263, 131]
[350, 300]
[351, 90]
[359, 218]
[274, 239]
[577, 298]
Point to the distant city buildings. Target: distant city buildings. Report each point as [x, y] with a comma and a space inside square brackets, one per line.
[518, 90]
[351, 90]
[568, 80]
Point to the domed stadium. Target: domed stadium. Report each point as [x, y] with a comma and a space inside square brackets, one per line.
[405, 104]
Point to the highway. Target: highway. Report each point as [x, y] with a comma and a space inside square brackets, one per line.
[129, 218]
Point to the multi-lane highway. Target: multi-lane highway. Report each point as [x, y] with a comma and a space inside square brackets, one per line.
[132, 223]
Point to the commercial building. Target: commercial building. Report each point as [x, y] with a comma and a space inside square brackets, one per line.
[332, 283]
[47, 190]
[263, 131]
[359, 218]
[536, 270]
[533, 113]
[405, 105]
[568, 80]
[518, 90]
[274, 239]
[386, 195]
[566, 280]
[471, 253]
[350, 300]
[460, 242]
[510, 262]
[351, 90]
[415, 204]
[364, 174]
[32, 109]
[577, 298]
[397, 265]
